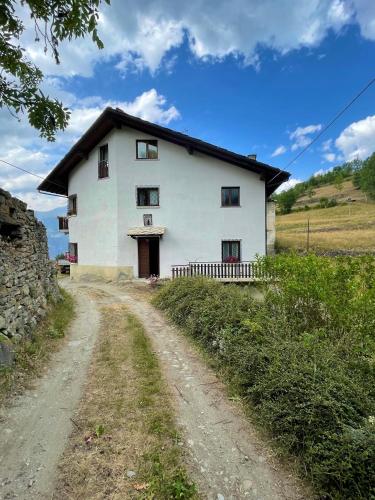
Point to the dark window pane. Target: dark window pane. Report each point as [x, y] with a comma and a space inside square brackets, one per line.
[225, 197]
[235, 195]
[235, 250]
[230, 196]
[152, 150]
[103, 153]
[225, 250]
[147, 197]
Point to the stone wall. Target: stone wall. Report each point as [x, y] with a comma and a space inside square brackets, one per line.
[27, 277]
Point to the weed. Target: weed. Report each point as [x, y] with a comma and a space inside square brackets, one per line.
[31, 353]
[303, 359]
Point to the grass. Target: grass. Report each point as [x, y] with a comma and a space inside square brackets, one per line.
[125, 423]
[32, 354]
[348, 228]
[330, 191]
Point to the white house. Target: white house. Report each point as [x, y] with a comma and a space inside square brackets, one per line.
[143, 198]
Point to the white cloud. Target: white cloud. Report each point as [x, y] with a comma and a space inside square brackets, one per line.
[330, 157]
[326, 146]
[322, 171]
[142, 34]
[358, 139]
[42, 202]
[288, 184]
[280, 150]
[151, 106]
[302, 136]
[22, 147]
[365, 16]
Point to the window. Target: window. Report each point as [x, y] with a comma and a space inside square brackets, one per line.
[73, 253]
[147, 150]
[231, 251]
[147, 197]
[230, 196]
[103, 162]
[147, 219]
[72, 204]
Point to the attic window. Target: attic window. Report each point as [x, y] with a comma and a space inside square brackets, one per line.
[147, 149]
[72, 204]
[103, 162]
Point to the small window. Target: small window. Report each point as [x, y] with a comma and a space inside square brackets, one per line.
[147, 150]
[147, 219]
[73, 253]
[230, 196]
[72, 204]
[147, 197]
[103, 170]
[231, 251]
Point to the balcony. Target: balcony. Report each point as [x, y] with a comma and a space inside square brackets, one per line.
[225, 271]
[63, 224]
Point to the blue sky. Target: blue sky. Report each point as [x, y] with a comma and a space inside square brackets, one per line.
[254, 77]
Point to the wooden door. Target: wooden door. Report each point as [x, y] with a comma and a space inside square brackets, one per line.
[143, 258]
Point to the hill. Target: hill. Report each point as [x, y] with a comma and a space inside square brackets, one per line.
[348, 227]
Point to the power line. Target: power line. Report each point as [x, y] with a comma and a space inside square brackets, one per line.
[334, 119]
[31, 173]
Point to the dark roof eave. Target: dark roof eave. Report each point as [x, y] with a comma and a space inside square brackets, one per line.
[57, 180]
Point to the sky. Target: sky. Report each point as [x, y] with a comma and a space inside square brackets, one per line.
[254, 76]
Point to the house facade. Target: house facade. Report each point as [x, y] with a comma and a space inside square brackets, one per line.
[143, 198]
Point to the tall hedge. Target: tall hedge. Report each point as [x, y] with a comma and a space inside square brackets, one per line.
[304, 358]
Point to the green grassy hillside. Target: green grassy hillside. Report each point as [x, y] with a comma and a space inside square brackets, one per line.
[347, 227]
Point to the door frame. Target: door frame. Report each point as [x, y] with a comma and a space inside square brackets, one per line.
[148, 245]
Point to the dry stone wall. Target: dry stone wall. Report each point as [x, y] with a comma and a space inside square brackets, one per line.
[27, 276]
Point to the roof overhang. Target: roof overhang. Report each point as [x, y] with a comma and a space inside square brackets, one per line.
[57, 181]
[146, 232]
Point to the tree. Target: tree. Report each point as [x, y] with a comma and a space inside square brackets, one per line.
[367, 176]
[20, 80]
[310, 192]
[286, 200]
[338, 181]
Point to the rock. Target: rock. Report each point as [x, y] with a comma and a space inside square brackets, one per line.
[27, 277]
[130, 474]
[220, 497]
[6, 355]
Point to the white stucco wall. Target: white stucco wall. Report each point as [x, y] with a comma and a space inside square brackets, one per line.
[190, 205]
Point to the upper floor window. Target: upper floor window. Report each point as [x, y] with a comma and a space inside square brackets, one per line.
[147, 197]
[103, 162]
[230, 196]
[231, 251]
[72, 204]
[147, 149]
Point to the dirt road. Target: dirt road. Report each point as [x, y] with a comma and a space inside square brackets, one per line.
[35, 429]
[226, 457]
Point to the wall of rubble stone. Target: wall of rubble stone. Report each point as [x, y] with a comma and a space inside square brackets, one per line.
[27, 277]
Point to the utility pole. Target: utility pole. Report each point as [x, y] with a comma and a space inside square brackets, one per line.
[308, 235]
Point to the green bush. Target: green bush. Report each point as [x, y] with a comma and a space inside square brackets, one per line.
[303, 359]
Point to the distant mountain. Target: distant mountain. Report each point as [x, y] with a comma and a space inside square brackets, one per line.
[57, 242]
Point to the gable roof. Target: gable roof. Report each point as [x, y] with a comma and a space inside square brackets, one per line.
[57, 180]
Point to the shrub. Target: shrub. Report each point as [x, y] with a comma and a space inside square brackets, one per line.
[303, 359]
